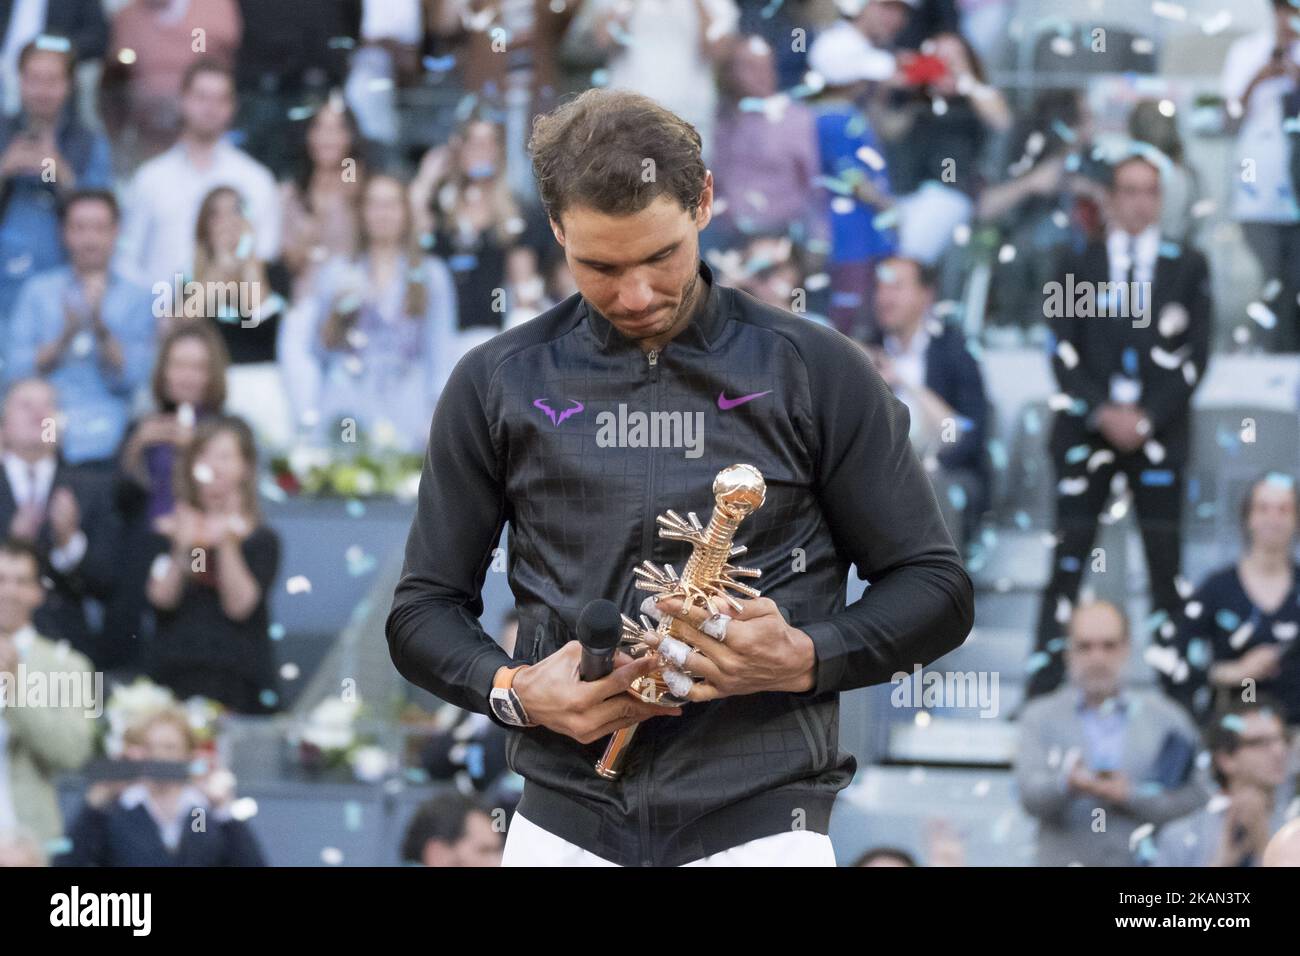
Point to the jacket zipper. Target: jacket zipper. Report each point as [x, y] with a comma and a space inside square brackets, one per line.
[647, 546]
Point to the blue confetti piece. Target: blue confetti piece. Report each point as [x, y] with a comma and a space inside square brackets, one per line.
[1157, 477]
[1070, 564]
[1227, 619]
[1130, 361]
[1078, 453]
[957, 496]
[355, 508]
[1063, 131]
[474, 761]
[1036, 662]
[439, 64]
[1199, 654]
[269, 698]
[276, 631]
[998, 454]
[352, 815]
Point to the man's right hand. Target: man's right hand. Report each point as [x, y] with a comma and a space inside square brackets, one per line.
[554, 696]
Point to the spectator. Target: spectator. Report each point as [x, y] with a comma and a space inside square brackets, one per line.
[154, 46]
[37, 740]
[291, 50]
[240, 293]
[765, 160]
[1284, 848]
[772, 270]
[853, 166]
[930, 369]
[776, 25]
[667, 52]
[1248, 747]
[64, 514]
[156, 821]
[18, 848]
[462, 201]
[1049, 203]
[886, 856]
[321, 203]
[1240, 626]
[925, 20]
[1260, 70]
[82, 22]
[531, 64]
[1129, 366]
[211, 588]
[386, 333]
[937, 114]
[45, 153]
[188, 386]
[1097, 751]
[451, 830]
[1180, 184]
[88, 330]
[163, 199]
[386, 57]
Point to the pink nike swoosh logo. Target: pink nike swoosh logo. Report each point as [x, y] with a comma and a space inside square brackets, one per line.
[725, 403]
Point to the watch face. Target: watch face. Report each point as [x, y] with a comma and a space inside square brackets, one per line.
[504, 705]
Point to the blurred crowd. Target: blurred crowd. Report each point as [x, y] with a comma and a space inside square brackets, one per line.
[233, 227]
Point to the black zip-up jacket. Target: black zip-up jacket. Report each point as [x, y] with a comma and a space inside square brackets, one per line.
[529, 433]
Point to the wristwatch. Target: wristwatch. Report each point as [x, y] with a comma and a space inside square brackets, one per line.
[505, 702]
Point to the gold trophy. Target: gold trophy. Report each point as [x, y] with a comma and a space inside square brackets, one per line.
[738, 491]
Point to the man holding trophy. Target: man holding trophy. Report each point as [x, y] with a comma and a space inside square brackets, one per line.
[654, 388]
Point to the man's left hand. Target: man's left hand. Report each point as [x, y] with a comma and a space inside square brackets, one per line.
[761, 652]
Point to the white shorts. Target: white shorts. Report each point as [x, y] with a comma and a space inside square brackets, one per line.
[527, 844]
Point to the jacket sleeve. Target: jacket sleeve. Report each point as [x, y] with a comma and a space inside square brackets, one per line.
[433, 629]
[1043, 788]
[884, 518]
[1067, 347]
[971, 404]
[1156, 804]
[59, 738]
[1169, 395]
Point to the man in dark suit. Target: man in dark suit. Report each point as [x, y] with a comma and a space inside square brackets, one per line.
[1131, 320]
[930, 369]
[64, 514]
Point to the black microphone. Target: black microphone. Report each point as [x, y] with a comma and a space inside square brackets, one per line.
[599, 628]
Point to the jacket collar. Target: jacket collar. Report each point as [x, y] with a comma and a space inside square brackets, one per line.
[703, 332]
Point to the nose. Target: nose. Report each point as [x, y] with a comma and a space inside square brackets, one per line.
[634, 294]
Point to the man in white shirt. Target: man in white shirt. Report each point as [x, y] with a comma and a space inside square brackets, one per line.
[163, 199]
[928, 366]
[1260, 70]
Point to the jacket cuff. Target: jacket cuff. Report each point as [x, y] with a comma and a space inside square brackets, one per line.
[831, 651]
[481, 674]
